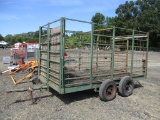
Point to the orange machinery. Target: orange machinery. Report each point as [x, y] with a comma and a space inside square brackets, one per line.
[18, 50]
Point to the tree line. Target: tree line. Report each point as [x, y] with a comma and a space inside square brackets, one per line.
[23, 37]
[143, 15]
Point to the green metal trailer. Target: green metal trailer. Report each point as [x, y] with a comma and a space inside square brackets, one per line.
[74, 56]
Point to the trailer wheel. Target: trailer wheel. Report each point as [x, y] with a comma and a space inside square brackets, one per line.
[126, 86]
[107, 90]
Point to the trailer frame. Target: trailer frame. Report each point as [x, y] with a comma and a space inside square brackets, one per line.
[53, 66]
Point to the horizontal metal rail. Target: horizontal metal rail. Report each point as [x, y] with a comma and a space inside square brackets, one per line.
[78, 20]
[50, 23]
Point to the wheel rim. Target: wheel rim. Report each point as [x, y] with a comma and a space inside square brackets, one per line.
[128, 86]
[110, 91]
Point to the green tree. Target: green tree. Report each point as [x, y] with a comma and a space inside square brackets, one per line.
[142, 15]
[127, 15]
[12, 40]
[110, 21]
[23, 37]
[32, 40]
[1, 37]
[99, 19]
[36, 34]
[8, 38]
[18, 38]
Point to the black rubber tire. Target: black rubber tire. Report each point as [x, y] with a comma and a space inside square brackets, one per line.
[107, 90]
[126, 86]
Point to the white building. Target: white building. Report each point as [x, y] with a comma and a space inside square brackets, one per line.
[31, 46]
[3, 43]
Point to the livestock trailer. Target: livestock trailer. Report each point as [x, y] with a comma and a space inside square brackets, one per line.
[75, 56]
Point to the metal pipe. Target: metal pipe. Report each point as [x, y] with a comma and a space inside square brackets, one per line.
[97, 52]
[55, 21]
[127, 56]
[132, 57]
[112, 56]
[131, 30]
[50, 23]
[48, 55]
[146, 64]
[91, 58]
[102, 35]
[62, 38]
[77, 20]
[39, 60]
[30, 91]
[80, 53]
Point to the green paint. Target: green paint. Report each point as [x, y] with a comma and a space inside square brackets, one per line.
[48, 55]
[61, 85]
[91, 53]
[112, 55]
[132, 59]
[39, 60]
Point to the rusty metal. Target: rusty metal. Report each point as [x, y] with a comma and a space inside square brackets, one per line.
[30, 91]
[20, 90]
[144, 64]
[110, 91]
[28, 65]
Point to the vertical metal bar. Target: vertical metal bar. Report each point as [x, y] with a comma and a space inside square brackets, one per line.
[146, 64]
[127, 57]
[80, 53]
[132, 57]
[112, 56]
[62, 46]
[140, 48]
[91, 58]
[39, 58]
[26, 58]
[97, 52]
[48, 54]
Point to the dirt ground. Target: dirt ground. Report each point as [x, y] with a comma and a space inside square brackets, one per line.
[144, 104]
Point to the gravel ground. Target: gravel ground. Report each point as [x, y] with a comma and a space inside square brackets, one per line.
[144, 104]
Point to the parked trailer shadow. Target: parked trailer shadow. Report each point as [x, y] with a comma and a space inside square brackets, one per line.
[76, 96]
[137, 84]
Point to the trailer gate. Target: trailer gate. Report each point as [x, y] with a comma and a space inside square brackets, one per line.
[72, 59]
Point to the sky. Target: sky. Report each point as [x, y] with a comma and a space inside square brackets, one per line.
[22, 16]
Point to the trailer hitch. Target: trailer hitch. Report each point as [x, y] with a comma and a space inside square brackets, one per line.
[30, 91]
